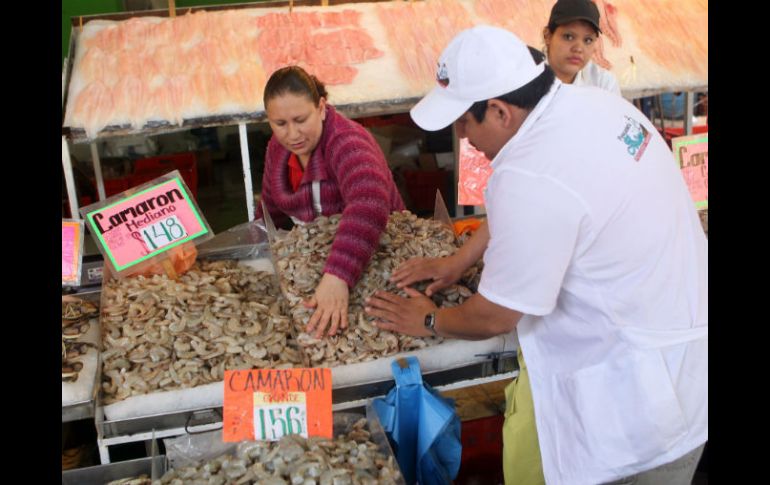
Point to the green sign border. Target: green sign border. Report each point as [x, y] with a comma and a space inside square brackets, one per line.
[202, 232]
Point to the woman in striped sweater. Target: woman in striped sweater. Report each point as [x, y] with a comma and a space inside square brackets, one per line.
[320, 163]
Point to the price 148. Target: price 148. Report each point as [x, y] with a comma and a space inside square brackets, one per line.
[163, 233]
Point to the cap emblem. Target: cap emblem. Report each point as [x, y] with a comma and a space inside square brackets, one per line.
[442, 77]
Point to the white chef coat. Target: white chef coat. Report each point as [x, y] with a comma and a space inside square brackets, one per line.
[594, 237]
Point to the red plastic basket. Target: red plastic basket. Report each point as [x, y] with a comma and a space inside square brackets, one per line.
[147, 169]
[482, 456]
[116, 186]
[670, 133]
[421, 186]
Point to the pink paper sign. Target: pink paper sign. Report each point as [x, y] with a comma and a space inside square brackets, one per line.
[692, 155]
[475, 170]
[70, 251]
[146, 224]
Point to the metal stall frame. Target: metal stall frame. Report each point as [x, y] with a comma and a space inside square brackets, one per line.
[497, 366]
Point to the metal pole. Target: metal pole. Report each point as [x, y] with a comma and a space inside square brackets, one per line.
[69, 179]
[104, 452]
[246, 170]
[456, 151]
[659, 106]
[98, 171]
[689, 105]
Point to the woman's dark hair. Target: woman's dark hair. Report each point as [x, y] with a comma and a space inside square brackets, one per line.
[526, 97]
[295, 80]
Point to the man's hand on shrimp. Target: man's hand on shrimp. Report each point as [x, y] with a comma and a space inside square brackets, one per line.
[443, 272]
[402, 315]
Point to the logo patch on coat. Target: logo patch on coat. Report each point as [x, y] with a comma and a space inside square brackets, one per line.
[635, 137]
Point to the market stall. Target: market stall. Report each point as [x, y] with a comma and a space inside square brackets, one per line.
[166, 343]
[172, 71]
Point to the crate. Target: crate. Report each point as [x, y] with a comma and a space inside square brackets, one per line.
[421, 185]
[146, 169]
[116, 186]
[482, 455]
[386, 120]
[673, 132]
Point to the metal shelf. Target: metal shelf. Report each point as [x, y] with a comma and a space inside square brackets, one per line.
[192, 421]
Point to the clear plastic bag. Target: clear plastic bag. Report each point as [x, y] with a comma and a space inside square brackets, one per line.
[244, 241]
[195, 449]
[189, 449]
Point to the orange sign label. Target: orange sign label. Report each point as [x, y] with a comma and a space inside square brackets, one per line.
[266, 404]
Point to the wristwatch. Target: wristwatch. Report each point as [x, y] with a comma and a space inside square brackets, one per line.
[430, 322]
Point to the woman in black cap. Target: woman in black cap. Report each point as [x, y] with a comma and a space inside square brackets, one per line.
[570, 43]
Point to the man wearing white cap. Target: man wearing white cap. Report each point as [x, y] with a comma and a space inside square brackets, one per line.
[594, 253]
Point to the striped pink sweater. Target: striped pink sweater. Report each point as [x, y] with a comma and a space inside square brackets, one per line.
[355, 181]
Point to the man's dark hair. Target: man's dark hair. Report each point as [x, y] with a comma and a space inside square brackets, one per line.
[537, 55]
[526, 97]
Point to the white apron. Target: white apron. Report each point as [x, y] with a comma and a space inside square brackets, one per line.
[626, 414]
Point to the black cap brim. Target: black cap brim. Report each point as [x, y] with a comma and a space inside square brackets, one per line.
[587, 19]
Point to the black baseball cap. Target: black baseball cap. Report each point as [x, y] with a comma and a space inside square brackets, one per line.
[565, 11]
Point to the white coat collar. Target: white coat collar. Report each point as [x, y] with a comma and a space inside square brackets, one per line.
[531, 119]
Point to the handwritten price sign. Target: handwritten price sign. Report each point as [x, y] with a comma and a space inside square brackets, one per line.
[71, 251]
[133, 228]
[692, 155]
[267, 404]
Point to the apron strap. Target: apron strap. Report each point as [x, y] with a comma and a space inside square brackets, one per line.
[316, 188]
[317, 209]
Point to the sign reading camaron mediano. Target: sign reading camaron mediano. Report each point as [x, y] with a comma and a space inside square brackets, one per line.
[134, 227]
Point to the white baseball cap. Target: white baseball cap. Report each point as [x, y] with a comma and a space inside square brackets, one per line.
[478, 64]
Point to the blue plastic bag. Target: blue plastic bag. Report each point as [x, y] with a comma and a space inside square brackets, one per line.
[422, 426]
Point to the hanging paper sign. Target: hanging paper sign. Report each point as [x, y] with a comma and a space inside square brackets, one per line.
[692, 155]
[475, 169]
[71, 251]
[133, 227]
[266, 404]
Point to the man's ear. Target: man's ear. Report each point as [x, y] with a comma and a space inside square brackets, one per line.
[506, 116]
[499, 111]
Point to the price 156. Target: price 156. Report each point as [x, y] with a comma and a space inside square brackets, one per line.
[273, 420]
[163, 233]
